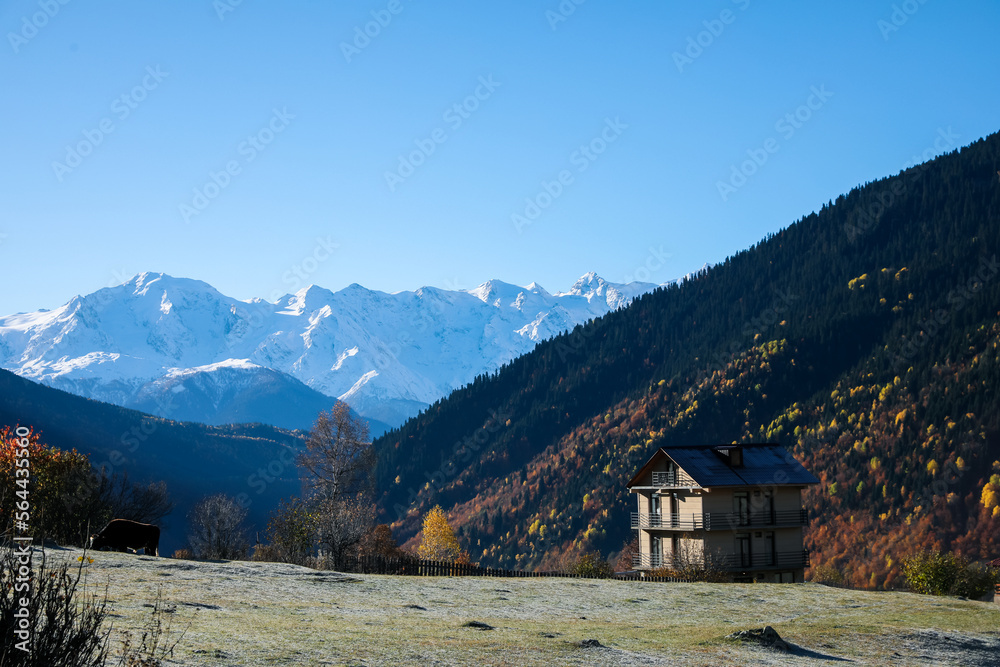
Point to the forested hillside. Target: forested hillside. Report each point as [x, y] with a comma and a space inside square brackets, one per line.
[862, 337]
[253, 462]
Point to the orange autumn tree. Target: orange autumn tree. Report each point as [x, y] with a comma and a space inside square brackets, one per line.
[438, 541]
[61, 489]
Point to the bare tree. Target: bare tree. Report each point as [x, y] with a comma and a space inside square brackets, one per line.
[339, 476]
[342, 524]
[339, 458]
[217, 528]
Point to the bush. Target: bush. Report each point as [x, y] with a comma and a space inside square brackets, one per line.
[270, 553]
[184, 554]
[292, 534]
[936, 573]
[593, 565]
[380, 542]
[64, 626]
[974, 581]
[695, 567]
[629, 549]
[827, 575]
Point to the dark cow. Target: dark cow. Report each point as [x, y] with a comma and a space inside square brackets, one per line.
[123, 534]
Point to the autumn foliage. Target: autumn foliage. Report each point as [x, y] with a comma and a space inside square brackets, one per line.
[438, 541]
[61, 488]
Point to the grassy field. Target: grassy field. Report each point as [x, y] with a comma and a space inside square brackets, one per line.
[240, 613]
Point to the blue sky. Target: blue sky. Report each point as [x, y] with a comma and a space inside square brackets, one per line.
[263, 147]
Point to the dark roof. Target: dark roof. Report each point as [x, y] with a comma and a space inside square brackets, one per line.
[763, 465]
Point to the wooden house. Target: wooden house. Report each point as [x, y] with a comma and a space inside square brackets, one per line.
[737, 508]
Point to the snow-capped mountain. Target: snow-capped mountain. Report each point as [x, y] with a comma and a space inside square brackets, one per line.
[178, 348]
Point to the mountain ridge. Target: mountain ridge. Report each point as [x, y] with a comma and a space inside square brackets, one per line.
[389, 355]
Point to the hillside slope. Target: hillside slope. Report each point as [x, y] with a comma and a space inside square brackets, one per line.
[862, 337]
[193, 459]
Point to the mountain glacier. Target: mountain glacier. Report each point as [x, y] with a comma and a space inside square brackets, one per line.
[178, 348]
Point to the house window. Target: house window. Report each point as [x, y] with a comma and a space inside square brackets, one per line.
[769, 507]
[654, 510]
[762, 508]
[741, 502]
[656, 551]
[769, 555]
[743, 554]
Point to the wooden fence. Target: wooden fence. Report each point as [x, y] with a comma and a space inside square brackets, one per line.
[435, 568]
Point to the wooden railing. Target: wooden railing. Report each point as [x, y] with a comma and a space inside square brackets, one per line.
[730, 562]
[720, 520]
[434, 568]
[672, 478]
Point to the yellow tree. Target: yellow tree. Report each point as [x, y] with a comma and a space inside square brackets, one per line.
[438, 541]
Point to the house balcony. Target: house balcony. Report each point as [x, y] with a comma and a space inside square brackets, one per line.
[720, 520]
[673, 479]
[730, 562]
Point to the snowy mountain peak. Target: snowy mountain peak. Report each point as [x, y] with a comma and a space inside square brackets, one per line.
[389, 355]
[148, 282]
[497, 292]
[311, 298]
[589, 285]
